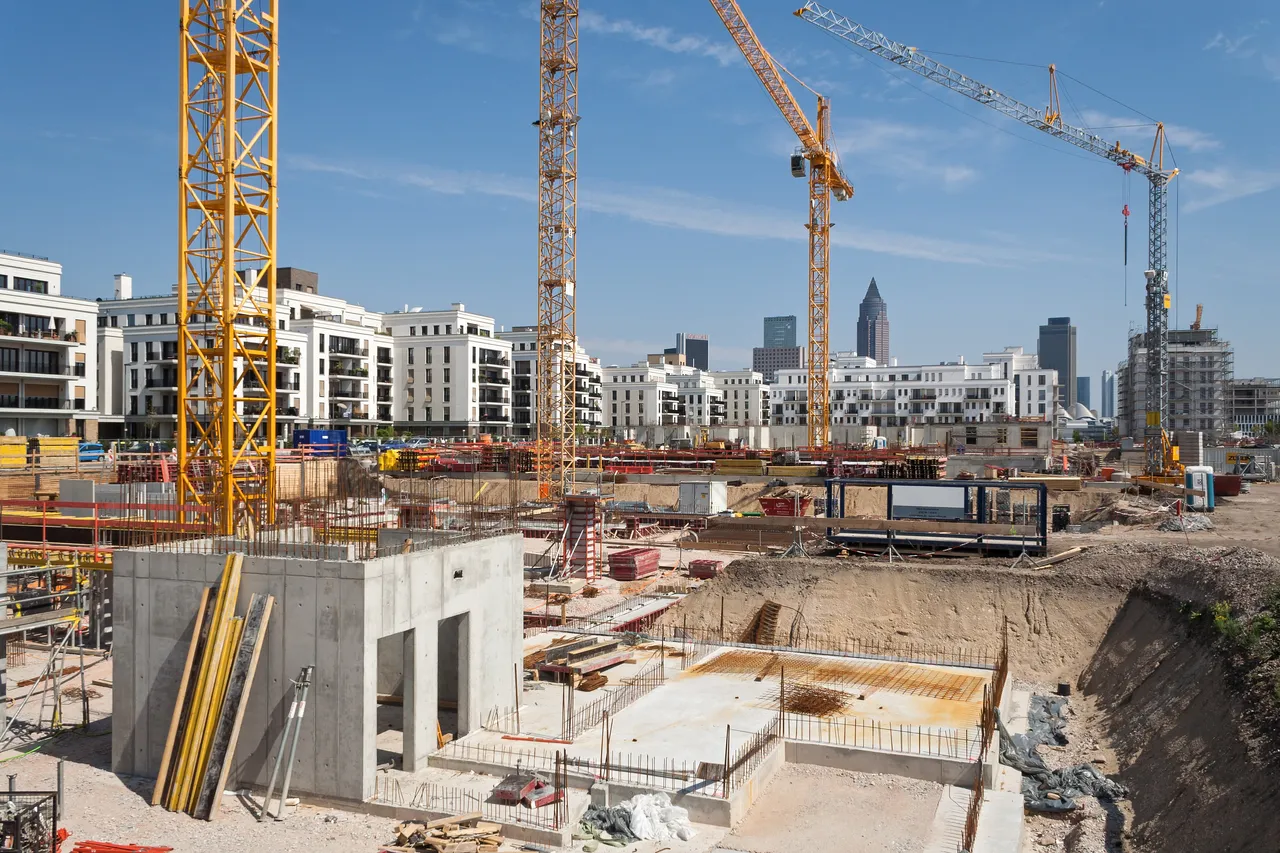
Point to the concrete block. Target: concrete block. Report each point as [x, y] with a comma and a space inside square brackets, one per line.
[572, 586]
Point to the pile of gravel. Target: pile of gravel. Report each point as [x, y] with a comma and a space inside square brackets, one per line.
[1190, 523]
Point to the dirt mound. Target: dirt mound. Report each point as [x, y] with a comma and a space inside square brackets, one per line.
[1177, 724]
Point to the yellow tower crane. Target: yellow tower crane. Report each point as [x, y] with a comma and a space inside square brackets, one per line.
[825, 180]
[226, 435]
[555, 448]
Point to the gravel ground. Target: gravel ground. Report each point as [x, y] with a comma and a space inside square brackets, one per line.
[101, 806]
[817, 808]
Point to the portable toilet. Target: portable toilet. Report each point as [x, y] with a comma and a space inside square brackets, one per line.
[1200, 478]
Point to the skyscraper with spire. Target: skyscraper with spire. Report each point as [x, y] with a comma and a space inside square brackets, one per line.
[873, 326]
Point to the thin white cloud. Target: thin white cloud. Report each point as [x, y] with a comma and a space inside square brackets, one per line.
[1231, 46]
[1181, 137]
[662, 38]
[670, 208]
[906, 151]
[1221, 185]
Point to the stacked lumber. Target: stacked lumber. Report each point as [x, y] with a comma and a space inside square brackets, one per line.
[462, 834]
[633, 563]
[58, 452]
[705, 568]
[585, 656]
[13, 451]
[740, 467]
[212, 695]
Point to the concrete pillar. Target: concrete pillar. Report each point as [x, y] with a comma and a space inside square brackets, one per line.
[419, 699]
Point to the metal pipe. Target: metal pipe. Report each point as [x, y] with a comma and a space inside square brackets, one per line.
[60, 788]
[288, 725]
[293, 744]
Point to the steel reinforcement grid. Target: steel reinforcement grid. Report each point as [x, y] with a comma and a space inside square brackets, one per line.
[442, 799]
[856, 648]
[961, 744]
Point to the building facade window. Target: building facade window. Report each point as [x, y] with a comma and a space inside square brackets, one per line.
[30, 285]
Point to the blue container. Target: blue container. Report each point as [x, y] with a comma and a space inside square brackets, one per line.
[322, 442]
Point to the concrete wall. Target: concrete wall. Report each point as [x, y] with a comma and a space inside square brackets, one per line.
[330, 614]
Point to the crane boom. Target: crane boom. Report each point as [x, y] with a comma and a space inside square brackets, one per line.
[1050, 121]
[825, 179]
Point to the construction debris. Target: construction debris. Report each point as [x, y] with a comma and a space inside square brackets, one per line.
[1048, 790]
[704, 569]
[462, 834]
[107, 847]
[1185, 523]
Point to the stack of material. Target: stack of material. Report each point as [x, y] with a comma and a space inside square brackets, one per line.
[633, 563]
[462, 834]
[212, 695]
[58, 452]
[705, 568]
[13, 451]
[582, 657]
[740, 467]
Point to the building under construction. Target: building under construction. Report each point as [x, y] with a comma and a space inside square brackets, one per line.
[1200, 368]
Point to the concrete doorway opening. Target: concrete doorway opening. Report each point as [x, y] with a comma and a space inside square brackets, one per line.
[395, 675]
[453, 659]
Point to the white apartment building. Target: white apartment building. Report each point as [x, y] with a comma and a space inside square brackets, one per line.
[48, 359]
[452, 373]
[866, 394]
[700, 401]
[746, 396]
[588, 377]
[333, 361]
[638, 396]
[1034, 388]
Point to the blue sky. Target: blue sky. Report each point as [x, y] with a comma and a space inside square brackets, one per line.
[408, 160]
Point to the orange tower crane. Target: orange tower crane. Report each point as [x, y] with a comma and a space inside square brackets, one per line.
[825, 180]
[555, 448]
[226, 435]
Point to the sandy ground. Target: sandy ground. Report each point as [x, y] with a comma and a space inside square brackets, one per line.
[1251, 520]
[817, 808]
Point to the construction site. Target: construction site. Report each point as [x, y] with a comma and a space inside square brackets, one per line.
[982, 640]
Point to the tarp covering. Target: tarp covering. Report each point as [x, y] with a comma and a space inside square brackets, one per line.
[1048, 790]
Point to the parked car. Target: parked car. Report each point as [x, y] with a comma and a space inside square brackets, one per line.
[91, 451]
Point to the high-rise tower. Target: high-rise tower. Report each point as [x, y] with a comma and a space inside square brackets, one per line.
[873, 326]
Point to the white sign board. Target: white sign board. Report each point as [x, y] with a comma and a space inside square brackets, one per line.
[946, 502]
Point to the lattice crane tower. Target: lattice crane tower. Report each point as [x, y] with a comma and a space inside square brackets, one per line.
[557, 248]
[227, 259]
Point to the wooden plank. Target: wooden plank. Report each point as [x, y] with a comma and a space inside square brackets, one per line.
[224, 606]
[913, 525]
[223, 748]
[468, 817]
[180, 703]
[554, 652]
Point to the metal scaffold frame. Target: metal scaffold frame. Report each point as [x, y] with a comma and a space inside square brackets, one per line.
[557, 247]
[227, 258]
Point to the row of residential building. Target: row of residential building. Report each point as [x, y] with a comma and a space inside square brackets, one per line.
[109, 369]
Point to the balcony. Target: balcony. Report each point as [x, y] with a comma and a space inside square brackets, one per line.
[346, 394]
[337, 370]
[493, 379]
[668, 420]
[14, 401]
[286, 411]
[495, 399]
[43, 336]
[37, 369]
[348, 351]
[169, 382]
[384, 397]
[494, 361]
[384, 358]
[291, 355]
[384, 377]
[596, 391]
[294, 384]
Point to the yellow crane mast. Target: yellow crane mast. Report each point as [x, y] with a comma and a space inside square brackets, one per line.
[555, 445]
[825, 179]
[227, 203]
